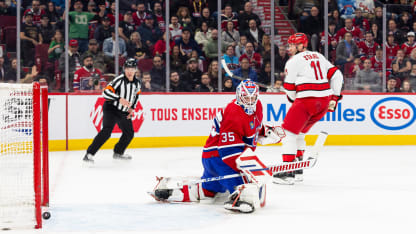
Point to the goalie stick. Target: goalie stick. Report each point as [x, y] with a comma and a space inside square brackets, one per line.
[229, 73]
[275, 169]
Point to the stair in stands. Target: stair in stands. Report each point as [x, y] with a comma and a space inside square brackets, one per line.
[284, 27]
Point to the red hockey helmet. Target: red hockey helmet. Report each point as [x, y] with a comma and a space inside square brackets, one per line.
[298, 38]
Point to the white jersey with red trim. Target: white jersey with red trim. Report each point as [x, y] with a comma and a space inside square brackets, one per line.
[310, 74]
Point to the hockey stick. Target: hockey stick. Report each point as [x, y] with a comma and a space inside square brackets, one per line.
[275, 169]
[229, 73]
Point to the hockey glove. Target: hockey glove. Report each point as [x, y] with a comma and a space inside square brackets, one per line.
[271, 134]
[334, 102]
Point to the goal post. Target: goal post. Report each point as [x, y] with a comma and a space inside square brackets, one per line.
[24, 184]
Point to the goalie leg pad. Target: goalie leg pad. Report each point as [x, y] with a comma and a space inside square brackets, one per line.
[171, 189]
[246, 198]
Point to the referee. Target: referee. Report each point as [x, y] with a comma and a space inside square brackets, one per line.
[122, 95]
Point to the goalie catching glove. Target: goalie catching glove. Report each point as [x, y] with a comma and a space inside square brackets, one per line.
[271, 134]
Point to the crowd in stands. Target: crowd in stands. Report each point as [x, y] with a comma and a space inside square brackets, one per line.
[354, 42]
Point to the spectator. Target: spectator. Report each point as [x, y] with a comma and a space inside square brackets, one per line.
[228, 85]
[412, 76]
[27, 77]
[213, 73]
[160, 46]
[229, 15]
[86, 73]
[378, 37]
[205, 85]
[31, 37]
[112, 14]
[378, 17]
[281, 58]
[192, 75]
[3, 70]
[158, 72]
[408, 46]
[247, 15]
[230, 36]
[391, 46]
[103, 31]
[377, 61]
[406, 87]
[56, 47]
[253, 57]
[184, 18]
[199, 61]
[206, 17]
[148, 85]
[177, 85]
[401, 66]
[177, 60]
[149, 32]
[197, 10]
[360, 22]
[265, 48]
[368, 46]
[159, 16]
[354, 69]
[187, 44]
[277, 87]
[126, 27]
[175, 27]
[46, 30]
[346, 50]
[78, 25]
[127, 5]
[244, 71]
[102, 12]
[74, 61]
[135, 48]
[230, 59]
[412, 57]
[265, 75]
[53, 15]
[332, 39]
[6, 10]
[347, 8]
[391, 85]
[203, 36]
[339, 23]
[36, 11]
[211, 48]
[398, 34]
[108, 46]
[59, 5]
[398, 9]
[405, 23]
[312, 26]
[254, 34]
[355, 32]
[98, 57]
[11, 74]
[240, 49]
[92, 7]
[367, 79]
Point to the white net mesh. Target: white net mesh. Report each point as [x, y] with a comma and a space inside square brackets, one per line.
[17, 196]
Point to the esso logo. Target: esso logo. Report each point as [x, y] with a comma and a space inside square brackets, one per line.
[393, 113]
[96, 116]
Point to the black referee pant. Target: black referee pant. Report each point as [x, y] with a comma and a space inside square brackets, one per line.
[112, 116]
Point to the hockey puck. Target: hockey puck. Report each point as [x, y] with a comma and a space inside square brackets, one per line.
[46, 215]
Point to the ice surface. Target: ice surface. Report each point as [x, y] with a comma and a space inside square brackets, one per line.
[350, 190]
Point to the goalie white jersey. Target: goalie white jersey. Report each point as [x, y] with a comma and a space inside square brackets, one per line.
[308, 74]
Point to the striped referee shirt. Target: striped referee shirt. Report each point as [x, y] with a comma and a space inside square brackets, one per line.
[121, 87]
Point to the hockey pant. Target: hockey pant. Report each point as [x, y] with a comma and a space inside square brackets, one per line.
[302, 115]
[214, 167]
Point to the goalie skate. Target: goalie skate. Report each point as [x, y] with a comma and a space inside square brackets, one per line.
[171, 189]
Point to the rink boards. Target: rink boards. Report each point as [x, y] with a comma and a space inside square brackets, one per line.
[185, 119]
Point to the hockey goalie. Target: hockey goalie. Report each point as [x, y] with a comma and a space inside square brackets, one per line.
[229, 150]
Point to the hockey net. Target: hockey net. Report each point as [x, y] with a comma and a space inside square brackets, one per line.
[23, 160]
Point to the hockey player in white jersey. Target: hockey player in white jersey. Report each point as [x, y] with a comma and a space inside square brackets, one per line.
[313, 85]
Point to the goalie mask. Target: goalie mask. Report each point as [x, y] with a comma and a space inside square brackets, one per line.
[247, 94]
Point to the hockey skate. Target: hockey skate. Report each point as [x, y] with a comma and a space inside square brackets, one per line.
[122, 156]
[245, 199]
[286, 178]
[88, 158]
